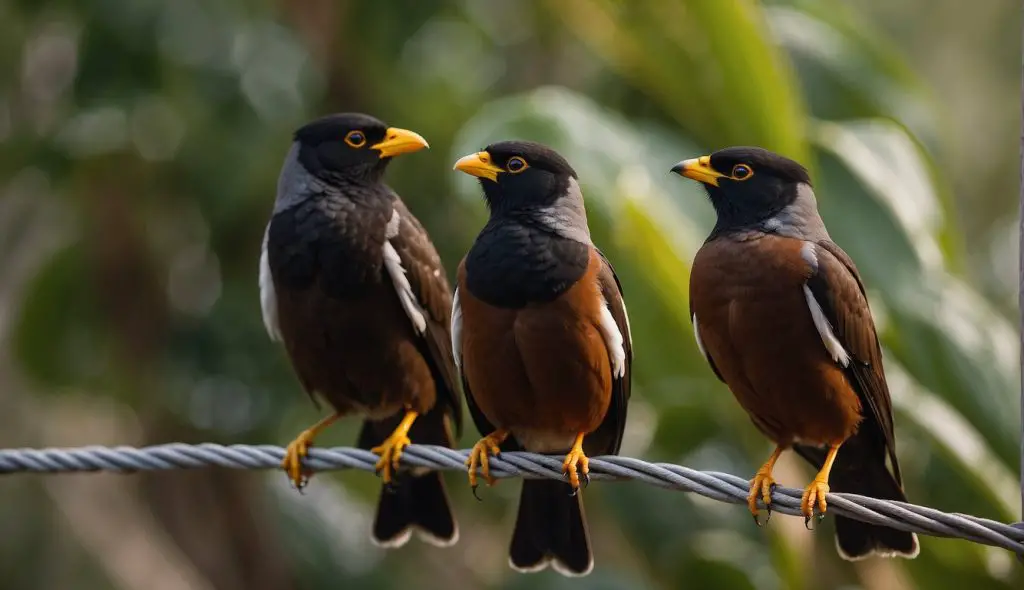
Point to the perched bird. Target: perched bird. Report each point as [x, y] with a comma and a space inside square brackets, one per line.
[352, 285]
[540, 333]
[780, 313]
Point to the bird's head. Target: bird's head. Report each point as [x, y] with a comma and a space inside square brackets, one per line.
[520, 175]
[352, 146]
[748, 185]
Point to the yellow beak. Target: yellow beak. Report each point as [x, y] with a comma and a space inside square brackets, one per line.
[698, 169]
[479, 165]
[400, 141]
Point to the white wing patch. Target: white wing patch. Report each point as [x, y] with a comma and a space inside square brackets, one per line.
[268, 295]
[629, 331]
[393, 224]
[613, 340]
[393, 264]
[832, 345]
[696, 335]
[457, 330]
[810, 255]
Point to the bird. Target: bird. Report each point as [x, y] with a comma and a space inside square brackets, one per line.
[781, 315]
[541, 337]
[354, 289]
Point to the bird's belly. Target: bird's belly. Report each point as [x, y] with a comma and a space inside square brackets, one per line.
[761, 336]
[542, 372]
[360, 354]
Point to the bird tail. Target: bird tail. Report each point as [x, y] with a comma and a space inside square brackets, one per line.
[550, 528]
[857, 470]
[416, 499]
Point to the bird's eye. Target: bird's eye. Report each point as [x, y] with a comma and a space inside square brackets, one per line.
[516, 165]
[741, 172]
[355, 139]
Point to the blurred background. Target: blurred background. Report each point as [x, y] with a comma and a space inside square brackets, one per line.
[139, 149]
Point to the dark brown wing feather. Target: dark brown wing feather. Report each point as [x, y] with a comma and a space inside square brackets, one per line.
[615, 420]
[429, 283]
[838, 289]
[707, 357]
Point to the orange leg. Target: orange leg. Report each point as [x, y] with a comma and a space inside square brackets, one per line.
[480, 454]
[762, 486]
[818, 489]
[576, 457]
[299, 448]
[390, 450]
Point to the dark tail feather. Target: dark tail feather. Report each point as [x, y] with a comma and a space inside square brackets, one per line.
[550, 528]
[858, 472]
[414, 500]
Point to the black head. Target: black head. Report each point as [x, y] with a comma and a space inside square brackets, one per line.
[352, 146]
[518, 174]
[747, 185]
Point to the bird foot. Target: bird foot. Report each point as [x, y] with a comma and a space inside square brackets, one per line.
[814, 495]
[762, 487]
[390, 452]
[576, 463]
[295, 452]
[479, 457]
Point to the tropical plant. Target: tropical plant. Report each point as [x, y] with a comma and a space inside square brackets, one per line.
[140, 142]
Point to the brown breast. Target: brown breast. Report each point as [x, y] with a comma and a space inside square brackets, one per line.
[541, 371]
[755, 324]
[360, 354]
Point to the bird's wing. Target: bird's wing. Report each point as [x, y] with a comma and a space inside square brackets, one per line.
[837, 288]
[700, 343]
[415, 267]
[611, 290]
[483, 425]
[268, 294]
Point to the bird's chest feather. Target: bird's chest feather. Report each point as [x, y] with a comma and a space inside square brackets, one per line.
[755, 324]
[511, 264]
[334, 242]
[541, 370]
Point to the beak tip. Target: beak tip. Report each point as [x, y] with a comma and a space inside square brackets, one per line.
[678, 168]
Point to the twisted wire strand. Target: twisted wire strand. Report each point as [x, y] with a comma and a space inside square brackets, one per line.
[723, 487]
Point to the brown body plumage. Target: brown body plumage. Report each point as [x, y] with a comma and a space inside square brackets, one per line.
[541, 332]
[544, 367]
[781, 314]
[753, 320]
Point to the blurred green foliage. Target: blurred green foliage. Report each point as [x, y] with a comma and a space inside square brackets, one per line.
[139, 148]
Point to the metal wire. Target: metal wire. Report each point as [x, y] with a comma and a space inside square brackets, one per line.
[718, 486]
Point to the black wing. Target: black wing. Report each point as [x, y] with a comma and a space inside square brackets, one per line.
[838, 289]
[696, 335]
[615, 420]
[429, 283]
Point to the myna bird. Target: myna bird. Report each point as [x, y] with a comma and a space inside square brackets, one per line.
[352, 285]
[780, 312]
[540, 333]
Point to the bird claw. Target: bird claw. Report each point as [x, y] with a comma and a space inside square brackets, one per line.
[817, 518]
[479, 456]
[576, 464]
[390, 452]
[475, 494]
[292, 463]
[814, 497]
[762, 487]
